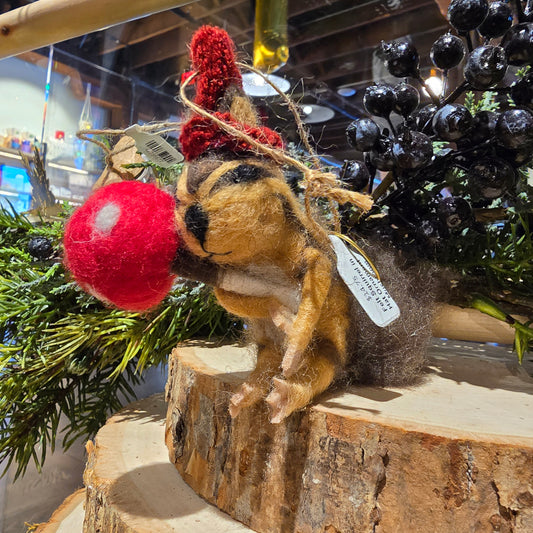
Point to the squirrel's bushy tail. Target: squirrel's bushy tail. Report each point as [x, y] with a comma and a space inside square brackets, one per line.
[396, 354]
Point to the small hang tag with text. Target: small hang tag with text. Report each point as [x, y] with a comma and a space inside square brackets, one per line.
[368, 290]
[154, 147]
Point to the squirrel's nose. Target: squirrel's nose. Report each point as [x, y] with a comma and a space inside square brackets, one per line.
[197, 222]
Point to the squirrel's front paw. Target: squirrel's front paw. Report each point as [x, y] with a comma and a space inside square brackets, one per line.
[279, 401]
[247, 395]
[283, 318]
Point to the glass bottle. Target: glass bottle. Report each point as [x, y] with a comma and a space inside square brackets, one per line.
[271, 49]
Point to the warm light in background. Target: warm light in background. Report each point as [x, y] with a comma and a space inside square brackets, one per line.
[435, 84]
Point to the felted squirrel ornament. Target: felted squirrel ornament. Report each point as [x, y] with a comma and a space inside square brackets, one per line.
[237, 211]
[239, 227]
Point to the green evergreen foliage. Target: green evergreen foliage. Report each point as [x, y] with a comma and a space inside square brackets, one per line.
[164, 176]
[486, 102]
[63, 352]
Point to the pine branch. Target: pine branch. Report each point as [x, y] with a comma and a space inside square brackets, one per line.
[63, 352]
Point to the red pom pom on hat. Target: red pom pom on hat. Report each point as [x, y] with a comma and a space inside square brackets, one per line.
[120, 244]
[213, 57]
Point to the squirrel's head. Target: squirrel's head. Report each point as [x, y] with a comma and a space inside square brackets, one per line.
[231, 202]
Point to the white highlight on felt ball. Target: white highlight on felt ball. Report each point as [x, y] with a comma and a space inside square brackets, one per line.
[107, 217]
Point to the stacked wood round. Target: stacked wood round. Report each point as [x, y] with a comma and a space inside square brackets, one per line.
[451, 454]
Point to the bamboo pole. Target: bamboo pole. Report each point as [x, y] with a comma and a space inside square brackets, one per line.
[50, 21]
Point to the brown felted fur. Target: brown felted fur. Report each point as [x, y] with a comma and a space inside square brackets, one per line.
[258, 229]
[394, 355]
[316, 332]
[273, 265]
[242, 215]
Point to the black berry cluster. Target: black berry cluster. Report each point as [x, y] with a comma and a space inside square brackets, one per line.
[446, 159]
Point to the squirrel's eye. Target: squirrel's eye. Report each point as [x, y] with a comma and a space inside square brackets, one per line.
[240, 174]
[245, 174]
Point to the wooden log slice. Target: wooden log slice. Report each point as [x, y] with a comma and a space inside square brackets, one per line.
[131, 485]
[453, 454]
[68, 517]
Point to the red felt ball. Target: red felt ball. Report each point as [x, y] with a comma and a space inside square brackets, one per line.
[120, 244]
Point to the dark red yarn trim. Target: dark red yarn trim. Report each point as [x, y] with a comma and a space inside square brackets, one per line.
[213, 58]
[200, 134]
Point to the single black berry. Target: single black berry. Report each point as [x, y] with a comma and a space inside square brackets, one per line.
[455, 212]
[355, 175]
[498, 20]
[422, 119]
[467, 15]
[491, 177]
[381, 156]
[485, 66]
[514, 129]
[518, 44]
[447, 51]
[363, 134]
[406, 97]
[379, 99]
[40, 248]
[401, 58]
[452, 121]
[412, 149]
[429, 231]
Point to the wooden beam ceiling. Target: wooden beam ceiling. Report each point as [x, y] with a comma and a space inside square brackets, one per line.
[141, 30]
[174, 43]
[349, 17]
[332, 44]
[371, 35]
[119, 36]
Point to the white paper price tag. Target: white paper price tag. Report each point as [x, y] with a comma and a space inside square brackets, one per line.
[368, 290]
[154, 147]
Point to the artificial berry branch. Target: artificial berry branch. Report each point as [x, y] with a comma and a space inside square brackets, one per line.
[455, 186]
[519, 10]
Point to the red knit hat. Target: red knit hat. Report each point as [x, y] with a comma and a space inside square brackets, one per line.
[213, 58]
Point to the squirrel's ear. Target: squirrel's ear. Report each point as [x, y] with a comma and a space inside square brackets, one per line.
[239, 106]
[243, 111]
